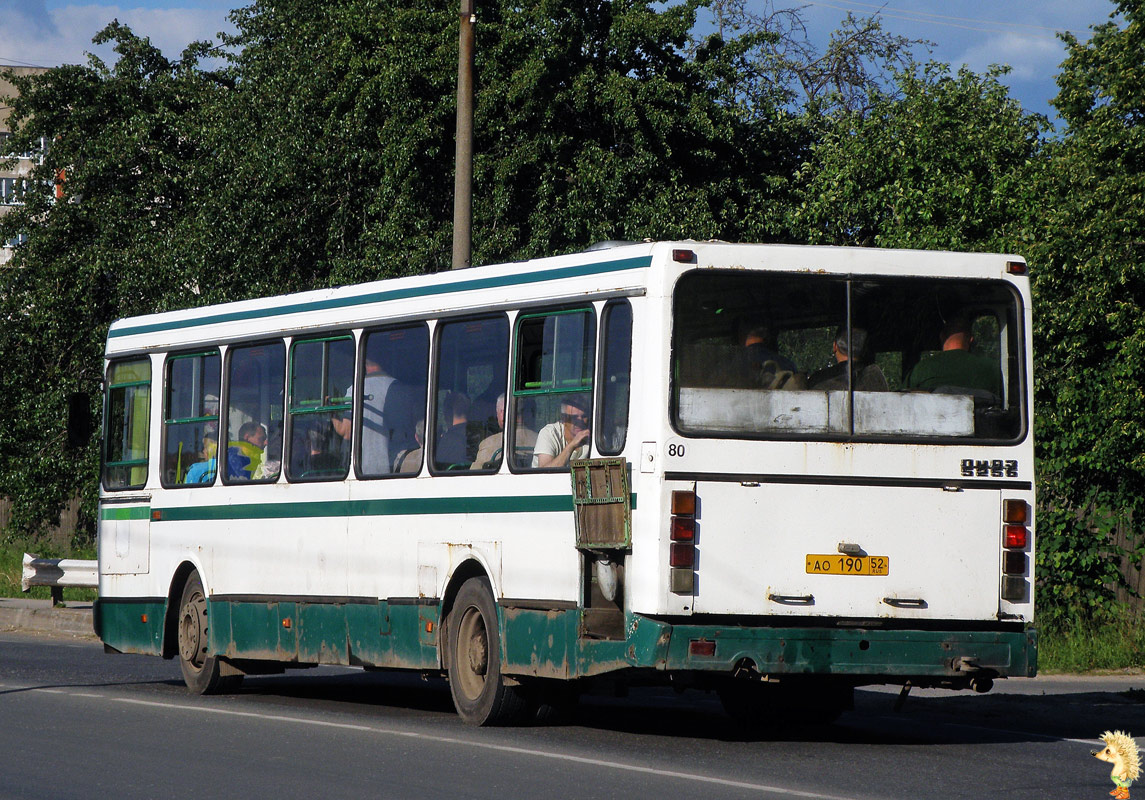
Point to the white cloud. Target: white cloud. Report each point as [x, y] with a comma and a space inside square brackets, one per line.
[1031, 57]
[32, 34]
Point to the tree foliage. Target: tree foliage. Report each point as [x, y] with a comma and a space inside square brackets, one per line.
[321, 153]
[939, 168]
[1089, 252]
[118, 156]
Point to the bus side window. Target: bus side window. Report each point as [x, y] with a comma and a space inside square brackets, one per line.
[552, 388]
[472, 359]
[615, 378]
[319, 408]
[191, 419]
[255, 383]
[392, 401]
[128, 422]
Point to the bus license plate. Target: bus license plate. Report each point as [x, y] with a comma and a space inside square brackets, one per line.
[835, 564]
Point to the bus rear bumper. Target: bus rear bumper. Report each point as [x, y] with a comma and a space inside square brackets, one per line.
[853, 652]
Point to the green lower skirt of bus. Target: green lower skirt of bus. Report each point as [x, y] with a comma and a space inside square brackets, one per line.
[130, 625]
[550, 644]
[854, 651]
[554, 643]
[401, 635]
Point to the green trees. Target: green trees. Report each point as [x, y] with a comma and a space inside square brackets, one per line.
[940, 167]
[120, 151]
[1088, 251]
[321, 154]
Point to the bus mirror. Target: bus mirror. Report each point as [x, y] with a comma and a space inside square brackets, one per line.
[80, 422]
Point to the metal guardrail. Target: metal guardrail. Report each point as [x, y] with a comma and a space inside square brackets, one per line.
[57, 573]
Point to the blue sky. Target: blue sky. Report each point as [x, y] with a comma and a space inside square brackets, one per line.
[1020, 33]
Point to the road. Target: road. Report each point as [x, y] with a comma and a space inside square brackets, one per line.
[81, 724]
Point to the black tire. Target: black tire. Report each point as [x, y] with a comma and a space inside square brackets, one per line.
[480, 693]
[202, 672]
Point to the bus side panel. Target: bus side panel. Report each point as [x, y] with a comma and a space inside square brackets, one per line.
[360, 634]
[131, 625]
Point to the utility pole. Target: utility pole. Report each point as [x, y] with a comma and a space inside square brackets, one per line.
[463, 155]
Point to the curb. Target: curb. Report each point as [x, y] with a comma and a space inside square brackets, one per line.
[38, 616]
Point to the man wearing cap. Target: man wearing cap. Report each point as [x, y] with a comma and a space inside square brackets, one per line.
[566, 439]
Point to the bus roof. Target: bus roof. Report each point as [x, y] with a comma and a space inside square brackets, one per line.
[618, 269]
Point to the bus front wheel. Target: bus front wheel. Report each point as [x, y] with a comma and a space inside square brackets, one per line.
[201, 672]
[480, 693]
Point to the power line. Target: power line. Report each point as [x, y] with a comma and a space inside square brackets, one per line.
[12, 62]
[963, 23]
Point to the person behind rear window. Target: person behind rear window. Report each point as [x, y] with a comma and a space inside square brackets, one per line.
[955, 367]
[868, 377]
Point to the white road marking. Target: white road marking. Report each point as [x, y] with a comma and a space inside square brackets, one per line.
[526, 751]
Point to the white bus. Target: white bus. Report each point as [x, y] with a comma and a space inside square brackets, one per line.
[775, 472]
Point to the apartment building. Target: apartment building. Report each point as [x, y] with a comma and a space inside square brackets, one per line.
[12, 178]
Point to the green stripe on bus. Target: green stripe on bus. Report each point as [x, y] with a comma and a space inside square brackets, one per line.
[494, 282]
[133, 512]
[374, 508]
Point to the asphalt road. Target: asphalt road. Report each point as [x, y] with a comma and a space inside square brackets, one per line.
[81, 724]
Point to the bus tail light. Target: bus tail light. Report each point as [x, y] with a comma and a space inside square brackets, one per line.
[683, 529]
[1015, 539]
[1015, 512]
[682, 550]
[682, 554]
[1014, 562]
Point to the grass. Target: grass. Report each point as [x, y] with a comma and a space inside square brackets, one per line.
[12, 566]
[1115, 640]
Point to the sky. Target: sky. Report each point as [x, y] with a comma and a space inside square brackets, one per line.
[1018, 33]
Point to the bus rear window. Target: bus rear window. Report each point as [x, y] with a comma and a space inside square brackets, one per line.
[777, 355]
[127, 421]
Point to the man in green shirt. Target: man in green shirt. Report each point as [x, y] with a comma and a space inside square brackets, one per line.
[955, 366]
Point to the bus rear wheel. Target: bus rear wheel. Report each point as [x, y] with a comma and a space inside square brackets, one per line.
[201, 672]
[480, 693]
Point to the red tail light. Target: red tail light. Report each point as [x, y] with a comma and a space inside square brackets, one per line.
[682, 555]
[683, 529]
[1015, 537]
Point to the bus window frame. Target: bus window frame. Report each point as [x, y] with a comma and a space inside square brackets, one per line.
[166, 422]
[288, 428]
[360, 382]
[225, 407]
[431, 432]
[598, 403]
[511, 392]
[144, 462]
[1021, 393]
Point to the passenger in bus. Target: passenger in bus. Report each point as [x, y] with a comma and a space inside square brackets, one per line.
[454, 448]
[204, 471]
[955, 366]
[868, 377]
[568, 438]
[760, 364]
[490, 449]
[758, 340]
[271, 464]
[409, 461]
[245, 454]
[377, 428]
